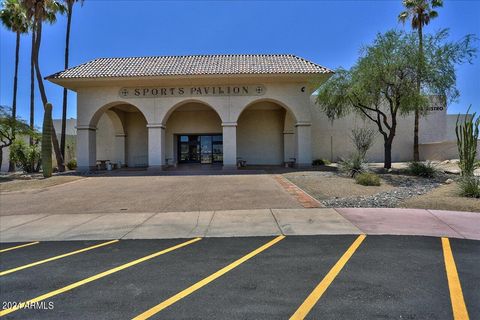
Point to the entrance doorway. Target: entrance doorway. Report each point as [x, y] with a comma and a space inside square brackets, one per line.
[200, 148]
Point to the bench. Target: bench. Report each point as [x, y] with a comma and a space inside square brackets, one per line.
[241, 163]
[102, 164]
[291, 163]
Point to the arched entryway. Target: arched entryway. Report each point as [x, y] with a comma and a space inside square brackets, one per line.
[117, 133]
[266, 133]
[193, 134]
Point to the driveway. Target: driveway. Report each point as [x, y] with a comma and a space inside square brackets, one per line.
[151, 194]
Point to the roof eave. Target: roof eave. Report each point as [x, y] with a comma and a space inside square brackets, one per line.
[75, 83]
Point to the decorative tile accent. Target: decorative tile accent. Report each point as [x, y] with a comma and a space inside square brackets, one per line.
[304, 198]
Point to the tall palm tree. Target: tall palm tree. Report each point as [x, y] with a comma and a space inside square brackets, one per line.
[69, 6]
[39, 11]
[420, 12]
[14, 18]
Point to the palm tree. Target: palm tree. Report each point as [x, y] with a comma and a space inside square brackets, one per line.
[69, 5]
[420, 12]
[14, 18]
[39, 11]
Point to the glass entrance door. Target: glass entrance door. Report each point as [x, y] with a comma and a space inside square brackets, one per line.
[188, 149]
[200, 148]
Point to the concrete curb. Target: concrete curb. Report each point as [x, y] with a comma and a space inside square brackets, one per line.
[240, 223]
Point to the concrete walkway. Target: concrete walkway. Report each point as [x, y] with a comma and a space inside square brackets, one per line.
[234, 223]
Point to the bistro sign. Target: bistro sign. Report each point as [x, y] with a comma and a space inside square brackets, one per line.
[191, 91]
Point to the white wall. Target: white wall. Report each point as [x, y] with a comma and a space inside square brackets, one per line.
[137, 139]
[331, 140]
[105, 139]
[260, 136]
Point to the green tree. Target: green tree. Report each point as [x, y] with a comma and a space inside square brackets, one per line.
[69, 5]
[10, 127]
[419, 12]
[14, 18]
[383, 82]
[39, 11]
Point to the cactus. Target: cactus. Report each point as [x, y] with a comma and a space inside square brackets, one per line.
[47, 141]
[467, 137]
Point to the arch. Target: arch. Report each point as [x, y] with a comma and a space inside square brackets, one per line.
[275, 101]
[187, 101]
[100, 111]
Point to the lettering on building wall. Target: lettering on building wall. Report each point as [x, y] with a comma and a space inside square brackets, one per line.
[192, 91]
[435, 108]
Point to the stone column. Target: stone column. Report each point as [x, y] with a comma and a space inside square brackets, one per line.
[229, 145]
[156, 146]
[120, 139]
[86, 148]
[303, 144]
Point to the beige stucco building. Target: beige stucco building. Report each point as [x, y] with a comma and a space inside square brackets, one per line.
[156, 111]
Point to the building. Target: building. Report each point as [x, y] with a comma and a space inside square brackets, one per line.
[155, 111]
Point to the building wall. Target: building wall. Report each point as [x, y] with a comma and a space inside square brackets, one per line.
[260, 136]
[331, 140]
[136, 140]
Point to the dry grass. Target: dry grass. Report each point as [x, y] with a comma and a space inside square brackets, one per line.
[324, 185]
[445, 197]
[7, 185]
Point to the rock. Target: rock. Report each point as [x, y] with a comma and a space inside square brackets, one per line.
[448, 181]
[452, 171]
[446, 161]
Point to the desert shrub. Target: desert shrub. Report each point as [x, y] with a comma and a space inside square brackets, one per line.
[353, 165]
[367, 179]
[72, 164]
[469, 186]
[423, 169]
[25, 156]
[320, 162]
[362, 139]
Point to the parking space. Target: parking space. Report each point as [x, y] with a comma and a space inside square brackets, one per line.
[328, 277]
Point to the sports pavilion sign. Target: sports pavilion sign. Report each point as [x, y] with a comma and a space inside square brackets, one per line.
[191, 91]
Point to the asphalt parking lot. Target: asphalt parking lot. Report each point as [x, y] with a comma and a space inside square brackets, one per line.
[314, 277]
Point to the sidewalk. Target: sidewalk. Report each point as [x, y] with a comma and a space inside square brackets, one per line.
[235, 223]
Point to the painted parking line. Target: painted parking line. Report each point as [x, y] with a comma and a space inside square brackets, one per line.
[456, 295]
[3, 273]
[20, 246]
[95, 277]
[184, 293]
[320, 289]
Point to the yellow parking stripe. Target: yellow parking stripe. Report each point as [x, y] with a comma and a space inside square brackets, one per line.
[95, 277]
[182, 294]
[456, 295]
[20, 246]
[56, 257]
[320, 289]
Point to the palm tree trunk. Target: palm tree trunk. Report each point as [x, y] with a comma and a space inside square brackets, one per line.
[32, 84]
[416, 151]
[11, 165]
[56, 147]
[64, 109]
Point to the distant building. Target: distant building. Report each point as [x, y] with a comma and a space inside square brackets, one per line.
[70, 128]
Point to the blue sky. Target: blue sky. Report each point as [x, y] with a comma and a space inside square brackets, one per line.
[329, 33]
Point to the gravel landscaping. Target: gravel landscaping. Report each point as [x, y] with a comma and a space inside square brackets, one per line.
[405, 188]
[396, 190]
